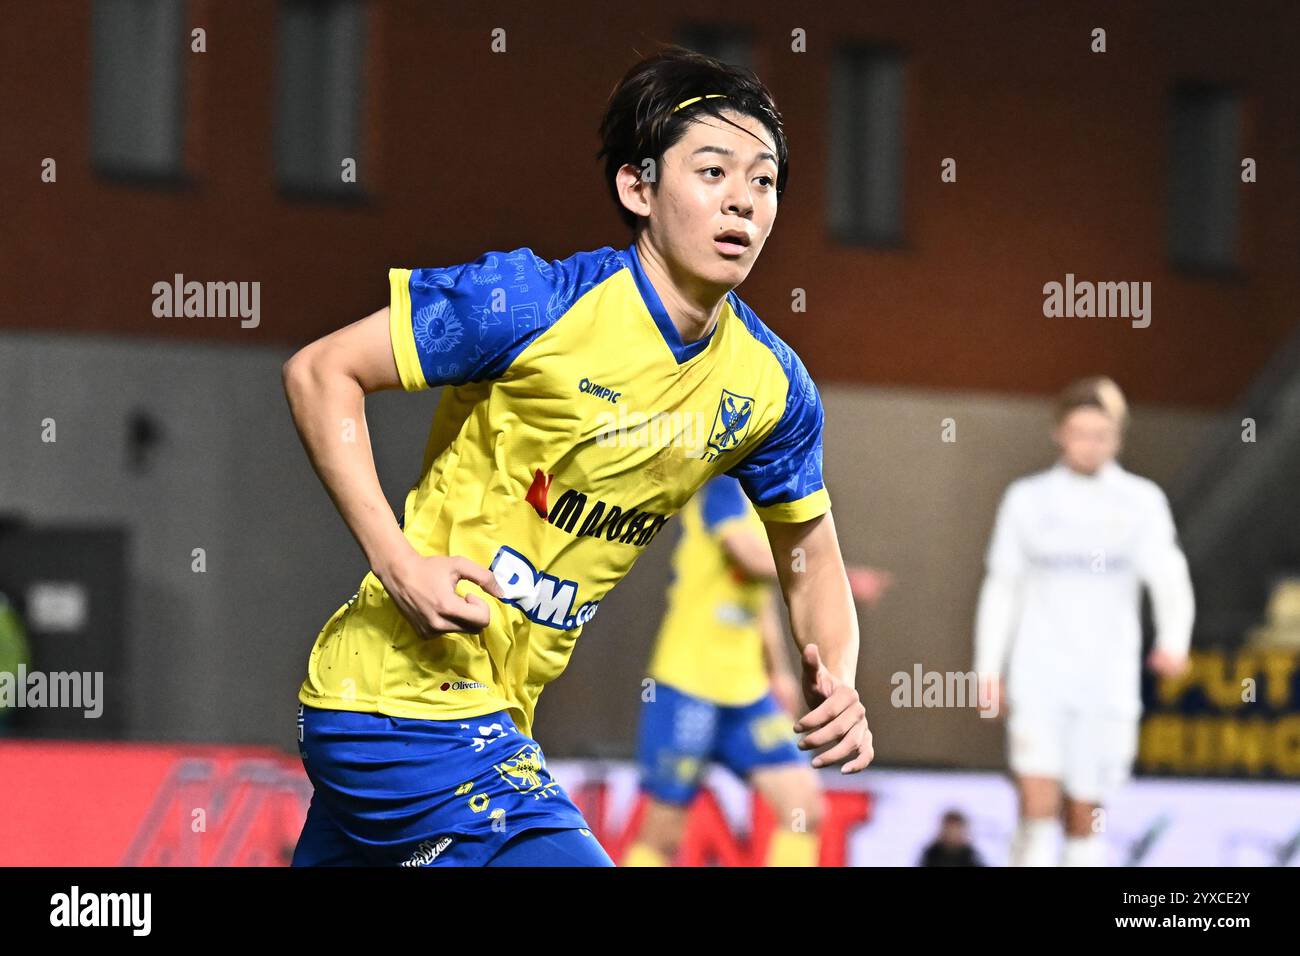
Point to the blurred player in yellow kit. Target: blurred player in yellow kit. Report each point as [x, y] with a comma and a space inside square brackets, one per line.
[721, 687]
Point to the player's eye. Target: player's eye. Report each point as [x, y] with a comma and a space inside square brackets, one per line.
[710, 169]
[767, 181]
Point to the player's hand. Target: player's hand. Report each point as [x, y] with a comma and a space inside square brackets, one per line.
[836, 718]
[786, 691]
[424, 590]
[868, 585]
[1166, 663]
[993, 696]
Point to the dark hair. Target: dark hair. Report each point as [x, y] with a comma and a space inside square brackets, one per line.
[954, 816]
[642, 120]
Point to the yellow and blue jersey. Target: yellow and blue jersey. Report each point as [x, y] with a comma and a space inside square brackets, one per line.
[572, 424]
[709, 643]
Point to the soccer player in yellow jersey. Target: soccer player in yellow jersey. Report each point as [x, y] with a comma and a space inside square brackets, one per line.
[584, 402]
[721, 685]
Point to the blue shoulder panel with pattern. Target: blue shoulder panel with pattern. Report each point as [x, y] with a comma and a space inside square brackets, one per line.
[787, 464]
[471, 321]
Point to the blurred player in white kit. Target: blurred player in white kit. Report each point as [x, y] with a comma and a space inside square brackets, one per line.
[1059, 616]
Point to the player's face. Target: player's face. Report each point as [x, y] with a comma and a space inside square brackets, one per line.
[1088, 438]
[716, 201]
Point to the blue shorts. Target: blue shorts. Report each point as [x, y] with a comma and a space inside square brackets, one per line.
[394, 791]
[681, 734]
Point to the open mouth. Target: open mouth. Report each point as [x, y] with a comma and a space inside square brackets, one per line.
[732, 243]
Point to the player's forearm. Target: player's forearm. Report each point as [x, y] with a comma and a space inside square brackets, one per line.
[994, 622]
[1173, 603]
[751, 555]
[328, 409]
[816, 590]
[769, 624]
[822, 613]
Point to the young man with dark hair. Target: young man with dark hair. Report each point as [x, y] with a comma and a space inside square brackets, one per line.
[585, 400]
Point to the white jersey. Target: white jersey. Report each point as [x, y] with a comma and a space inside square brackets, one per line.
[1068, 557]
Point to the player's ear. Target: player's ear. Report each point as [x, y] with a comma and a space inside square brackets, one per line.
[634, 189]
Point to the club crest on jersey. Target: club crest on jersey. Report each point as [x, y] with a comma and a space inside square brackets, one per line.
[526, 771]
[730, 424]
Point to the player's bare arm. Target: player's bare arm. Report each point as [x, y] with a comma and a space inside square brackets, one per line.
[785, 685]
[825, 626]
[750, 553]
[326, 383]
[753, 556]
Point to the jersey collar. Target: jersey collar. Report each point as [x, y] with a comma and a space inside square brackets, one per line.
[1106, 473]
[682, 351]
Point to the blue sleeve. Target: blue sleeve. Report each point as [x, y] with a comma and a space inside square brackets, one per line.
[468, 323]
[783, 475]
[721, 500]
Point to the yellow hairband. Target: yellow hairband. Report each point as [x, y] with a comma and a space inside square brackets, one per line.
[696, 99]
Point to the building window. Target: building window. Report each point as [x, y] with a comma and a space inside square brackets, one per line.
[864, 192]
[138, 87]
[1205, 172]
[318, 122]
[734, 46]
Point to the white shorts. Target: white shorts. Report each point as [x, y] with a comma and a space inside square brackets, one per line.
[1090, 754]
